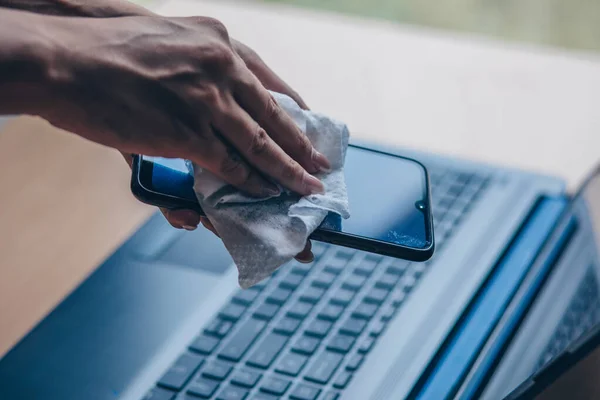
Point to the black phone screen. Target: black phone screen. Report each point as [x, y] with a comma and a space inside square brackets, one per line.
[388, 195]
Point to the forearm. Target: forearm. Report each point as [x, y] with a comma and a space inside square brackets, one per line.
[25, 62]
[78, 8]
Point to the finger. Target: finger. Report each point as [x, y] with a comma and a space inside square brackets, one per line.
[128, 158]
[262, 152]
[208, 225]
[306, 256]
[226, 162]
[269, 79]
[261, 106]
[182, 219]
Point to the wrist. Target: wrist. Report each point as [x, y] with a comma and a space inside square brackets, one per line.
[78, 8]
[26, 62]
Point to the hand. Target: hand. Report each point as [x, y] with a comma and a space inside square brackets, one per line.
[183, 219]
[113, 86]
[189, 219]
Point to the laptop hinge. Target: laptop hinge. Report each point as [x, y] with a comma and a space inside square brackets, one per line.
[450, 366]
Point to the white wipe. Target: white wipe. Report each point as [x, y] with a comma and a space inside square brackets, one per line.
[263, 234]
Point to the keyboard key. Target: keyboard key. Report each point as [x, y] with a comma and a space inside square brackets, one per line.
[181, 371]
[366, 345]
[204, 344]
[239, 343]
[376, 296]
[318, 328]
[301, 269]
[287, 326]
[306, 345]
[354, 282]
[318, 249]
[331, 396]
[276, 386]
[354, 362]
[159, 394]
[245, 296]
[398, 298]
[336, 265]
[341, 343]
[336, 270]
[373, 257]
[342, 380]
[387, 281]
[264, 396]
[408, 282]
[266, 352]
[418, 269]
[353, 326]
[203, 387]
[388, 313]
[232, 312]
[377, 329]
[299, 310]
[304, 392]
[266, 311]
[397, 268]
[232, 393]
[323, 367]
[218, 328]
[291, 364]
[246, 378]
[279, 296]
[261, 285]
[342, 297]
[291, 281]
[217, 370]
[345, 253]
[324, 280]
[312, 295]
[365, 311]
[365, 268]
[330, 312]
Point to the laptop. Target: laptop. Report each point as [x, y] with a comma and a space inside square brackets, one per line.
[510, 294]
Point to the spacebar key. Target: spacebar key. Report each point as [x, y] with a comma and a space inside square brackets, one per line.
[323, 368]
[238, 344]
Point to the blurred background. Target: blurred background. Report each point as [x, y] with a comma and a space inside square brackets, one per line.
[572, 24]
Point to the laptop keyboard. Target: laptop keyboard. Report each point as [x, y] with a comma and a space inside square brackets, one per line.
[303, 333]
[582, 314]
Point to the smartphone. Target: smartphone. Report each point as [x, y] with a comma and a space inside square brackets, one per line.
[390, 207]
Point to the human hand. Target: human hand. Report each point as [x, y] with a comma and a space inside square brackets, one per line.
[183, 219]
[245, 175]
[114, 87]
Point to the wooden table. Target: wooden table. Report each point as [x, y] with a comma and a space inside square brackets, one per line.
[66, 203]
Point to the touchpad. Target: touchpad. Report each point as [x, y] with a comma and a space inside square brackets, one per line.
[201, 249]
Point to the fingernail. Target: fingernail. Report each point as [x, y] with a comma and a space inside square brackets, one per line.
[321, 162]
[189, 227]
[271, 190]
[308, 260]
[313, 185]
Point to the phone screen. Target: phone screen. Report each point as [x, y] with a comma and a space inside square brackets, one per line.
[388, 196]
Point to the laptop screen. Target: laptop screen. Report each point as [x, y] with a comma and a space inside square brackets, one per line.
[564, 321]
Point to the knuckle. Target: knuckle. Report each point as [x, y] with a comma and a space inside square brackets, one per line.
[218, 27]
[292, 171]
[234, 169]
[221, 55]
[273, 111]
[259, 144]
[211, 97]
[305, 147]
